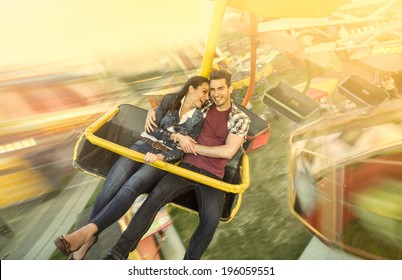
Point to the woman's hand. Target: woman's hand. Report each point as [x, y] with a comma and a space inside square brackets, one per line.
[187, 144]
[151, 157]
[150, 121]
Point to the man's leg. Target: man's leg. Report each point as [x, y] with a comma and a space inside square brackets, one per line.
[167, 189]
[210, 204]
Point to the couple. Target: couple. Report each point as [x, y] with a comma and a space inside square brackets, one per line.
[177, 123]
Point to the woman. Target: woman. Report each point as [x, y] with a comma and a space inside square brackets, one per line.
[180, 121]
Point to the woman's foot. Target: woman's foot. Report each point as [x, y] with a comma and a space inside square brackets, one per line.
[81, 252]
[70, 243]
[63, 245]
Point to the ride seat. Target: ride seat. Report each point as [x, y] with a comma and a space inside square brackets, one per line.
[125, 127]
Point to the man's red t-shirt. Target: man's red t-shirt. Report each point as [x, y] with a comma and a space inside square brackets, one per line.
[214, 133]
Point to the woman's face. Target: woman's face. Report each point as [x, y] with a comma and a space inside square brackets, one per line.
[200, 94]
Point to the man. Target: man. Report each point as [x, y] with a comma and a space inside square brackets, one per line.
[223, 132]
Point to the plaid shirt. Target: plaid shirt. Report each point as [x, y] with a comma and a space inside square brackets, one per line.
[238, 123]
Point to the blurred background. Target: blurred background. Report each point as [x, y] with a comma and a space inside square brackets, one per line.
[64, 64]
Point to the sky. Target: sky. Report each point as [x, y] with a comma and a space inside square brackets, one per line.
[43, 31]
[47, 31]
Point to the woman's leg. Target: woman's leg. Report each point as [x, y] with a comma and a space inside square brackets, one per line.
[210, 204]
[140, 182]
[167, 189]
[117, 176]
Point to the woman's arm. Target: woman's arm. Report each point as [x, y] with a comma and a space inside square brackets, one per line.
[160, 112]
[150, 122]
[154, 116]
[187, 142]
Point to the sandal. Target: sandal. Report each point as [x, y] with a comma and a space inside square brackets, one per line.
[63, 245]
[71, 257]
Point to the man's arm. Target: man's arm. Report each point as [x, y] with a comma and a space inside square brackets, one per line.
[232, 145]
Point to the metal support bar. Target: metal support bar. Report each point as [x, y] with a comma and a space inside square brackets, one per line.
[213, 37]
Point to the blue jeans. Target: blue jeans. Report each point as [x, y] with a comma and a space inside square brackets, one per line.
[127, 179]
[210, 204]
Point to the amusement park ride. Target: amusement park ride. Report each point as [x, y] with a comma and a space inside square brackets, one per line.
[345, 168]
[345, 164]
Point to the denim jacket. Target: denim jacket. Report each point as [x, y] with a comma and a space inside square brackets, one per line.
[170, 119]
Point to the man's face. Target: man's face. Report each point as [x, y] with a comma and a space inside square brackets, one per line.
[220, 94]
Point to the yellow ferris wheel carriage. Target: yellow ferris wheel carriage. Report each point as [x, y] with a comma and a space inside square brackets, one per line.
[111, 136]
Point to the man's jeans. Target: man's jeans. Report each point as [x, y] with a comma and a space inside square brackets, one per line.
[127, 179]
[210, 204]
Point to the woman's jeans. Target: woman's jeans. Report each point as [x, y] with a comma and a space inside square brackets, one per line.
[210, 204]
[127, 179]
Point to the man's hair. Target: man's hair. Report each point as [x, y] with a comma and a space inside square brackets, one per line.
[221, 74]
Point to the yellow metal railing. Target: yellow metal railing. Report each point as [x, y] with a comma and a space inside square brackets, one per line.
[183, 172]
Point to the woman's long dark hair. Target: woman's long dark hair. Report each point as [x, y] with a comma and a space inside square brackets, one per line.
[195, 81]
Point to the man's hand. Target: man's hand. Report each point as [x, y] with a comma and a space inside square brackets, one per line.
[187, 144]
[150, 121]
